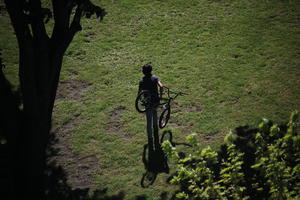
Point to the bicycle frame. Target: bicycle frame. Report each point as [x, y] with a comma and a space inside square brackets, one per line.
[170, 98]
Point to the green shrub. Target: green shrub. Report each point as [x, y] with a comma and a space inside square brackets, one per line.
[261, 163]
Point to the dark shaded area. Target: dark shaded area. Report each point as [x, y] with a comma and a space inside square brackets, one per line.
[11, 141]
[244, 142]
[25, 117]
[155, 161]
[57, 186]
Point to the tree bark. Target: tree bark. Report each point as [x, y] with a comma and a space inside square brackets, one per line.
[37, 59]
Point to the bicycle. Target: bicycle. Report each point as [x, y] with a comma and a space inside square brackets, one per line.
[166, 104]
[143, 100]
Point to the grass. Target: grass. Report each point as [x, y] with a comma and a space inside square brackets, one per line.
[239, 60]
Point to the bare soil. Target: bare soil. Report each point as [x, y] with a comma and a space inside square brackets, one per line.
[80, 169]
[72, 89]
[114, 125]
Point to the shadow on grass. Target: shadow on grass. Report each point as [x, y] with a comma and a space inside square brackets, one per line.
[155, 161]
[58, 188]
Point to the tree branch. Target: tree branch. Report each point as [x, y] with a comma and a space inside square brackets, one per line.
[36, 19]
[61, 13]
[87, 9]
[19, 20]
[75, 25]
[64, 33]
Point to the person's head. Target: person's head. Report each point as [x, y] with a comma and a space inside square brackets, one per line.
[147, 69]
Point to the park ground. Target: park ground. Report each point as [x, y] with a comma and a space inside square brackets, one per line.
[239, 60]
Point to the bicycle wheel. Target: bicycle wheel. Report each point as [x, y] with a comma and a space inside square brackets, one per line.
[164, 117]
[142, 100]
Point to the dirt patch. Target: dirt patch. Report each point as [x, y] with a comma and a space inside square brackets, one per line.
[72, 89]
[80, 169]
[114, 125]
[66, 127]
[115, 115]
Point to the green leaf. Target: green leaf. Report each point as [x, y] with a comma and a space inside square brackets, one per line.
[192, 139]
[274, 130]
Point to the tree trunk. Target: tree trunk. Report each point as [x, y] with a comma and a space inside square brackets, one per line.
[9, 129]
[38, 106]
[28, 130]
[39, 68]
[40, 60]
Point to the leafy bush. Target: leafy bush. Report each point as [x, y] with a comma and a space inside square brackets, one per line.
[261, 163]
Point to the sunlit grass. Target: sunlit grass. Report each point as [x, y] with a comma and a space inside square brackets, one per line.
[239, 60]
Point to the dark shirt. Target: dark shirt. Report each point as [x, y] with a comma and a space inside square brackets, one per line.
[149, 83]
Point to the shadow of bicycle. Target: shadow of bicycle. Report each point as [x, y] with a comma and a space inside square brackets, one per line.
[155, 161]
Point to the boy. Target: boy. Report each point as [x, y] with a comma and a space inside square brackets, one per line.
[151, 83]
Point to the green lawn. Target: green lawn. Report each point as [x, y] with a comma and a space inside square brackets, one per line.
[239, 60]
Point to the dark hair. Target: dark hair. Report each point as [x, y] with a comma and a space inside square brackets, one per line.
[147, 69]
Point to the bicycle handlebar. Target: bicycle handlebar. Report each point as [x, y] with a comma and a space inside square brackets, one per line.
[184, 93]
[178, 93]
